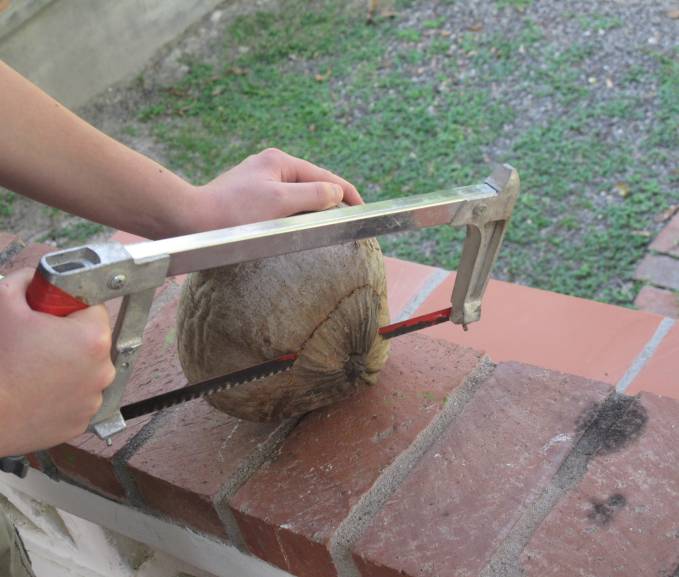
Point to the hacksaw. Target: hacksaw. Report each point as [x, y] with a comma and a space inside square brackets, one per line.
[75, 278]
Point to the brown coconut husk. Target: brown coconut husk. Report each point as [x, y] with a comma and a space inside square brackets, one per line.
[324, 304]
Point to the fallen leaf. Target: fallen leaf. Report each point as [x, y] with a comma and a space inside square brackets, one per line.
[674, 14]
[622, 189]
[323, 77]
[445, 32]
[609, 83]
[312, 128]
[217, 91]
[476, 27]
[238, 71]
[176, 91]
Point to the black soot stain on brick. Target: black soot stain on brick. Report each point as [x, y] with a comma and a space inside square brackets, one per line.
[614, 423]
[602, 512]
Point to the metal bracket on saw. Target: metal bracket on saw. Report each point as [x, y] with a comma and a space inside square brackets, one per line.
[99, 272]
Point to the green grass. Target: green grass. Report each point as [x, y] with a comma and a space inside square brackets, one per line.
[6, 202]
[599, 22]
[666, 132]
[519, 4]
[319, 83]
[434, 23]
[582, 246]
[409, 35]
[73, 234]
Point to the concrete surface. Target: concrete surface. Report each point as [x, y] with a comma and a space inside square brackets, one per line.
[74, 49]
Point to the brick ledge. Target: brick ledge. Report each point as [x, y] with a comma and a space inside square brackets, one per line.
[343, 488]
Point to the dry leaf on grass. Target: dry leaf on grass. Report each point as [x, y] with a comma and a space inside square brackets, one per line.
[622, 189]
[323, 77]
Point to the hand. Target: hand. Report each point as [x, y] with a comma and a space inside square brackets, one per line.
[268, 185]
[53, 370]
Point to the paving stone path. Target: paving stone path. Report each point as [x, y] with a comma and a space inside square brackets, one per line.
[659, 269]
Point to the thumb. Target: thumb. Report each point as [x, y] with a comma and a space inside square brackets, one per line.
[309, 196]
[93, 315]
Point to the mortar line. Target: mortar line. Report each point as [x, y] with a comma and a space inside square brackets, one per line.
[260, 455]
[123, 455]
[371, 502]
[47, 465]
[430, 284]
[10, 251]
[645, 355]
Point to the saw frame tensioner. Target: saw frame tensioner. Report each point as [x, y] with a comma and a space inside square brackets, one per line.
[73, 279]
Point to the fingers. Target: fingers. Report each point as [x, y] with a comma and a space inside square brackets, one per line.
[18, 281]
[293, 169]
[307, 196]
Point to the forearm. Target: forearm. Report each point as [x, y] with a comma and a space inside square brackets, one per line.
[52, 156]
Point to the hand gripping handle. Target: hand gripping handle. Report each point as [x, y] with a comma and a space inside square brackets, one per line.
[46, 298]
[41, 296]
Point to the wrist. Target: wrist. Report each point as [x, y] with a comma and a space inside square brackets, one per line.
[184, 212]
[208, 209]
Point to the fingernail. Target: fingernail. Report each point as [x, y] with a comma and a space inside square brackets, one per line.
[339, 193]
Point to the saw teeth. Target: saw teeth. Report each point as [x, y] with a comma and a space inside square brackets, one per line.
[188, 395]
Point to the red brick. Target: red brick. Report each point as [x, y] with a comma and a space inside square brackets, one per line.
[404, 281]
[34, 460]
[660, 270]
[668, 239]
[558, 332]
[87, 467]
[196, 450]
[622, 518]
[462, 499]
[658, 301]
[661, 374]
[87, 458]
[289, 509]
[29, 257]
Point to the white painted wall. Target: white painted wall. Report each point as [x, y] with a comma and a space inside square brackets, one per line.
[70, 532]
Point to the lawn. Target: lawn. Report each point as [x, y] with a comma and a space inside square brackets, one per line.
[581, 102]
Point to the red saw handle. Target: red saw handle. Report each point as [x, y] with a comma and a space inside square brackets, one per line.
[46, 298]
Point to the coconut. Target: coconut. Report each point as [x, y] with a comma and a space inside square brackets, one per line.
[324, 304]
